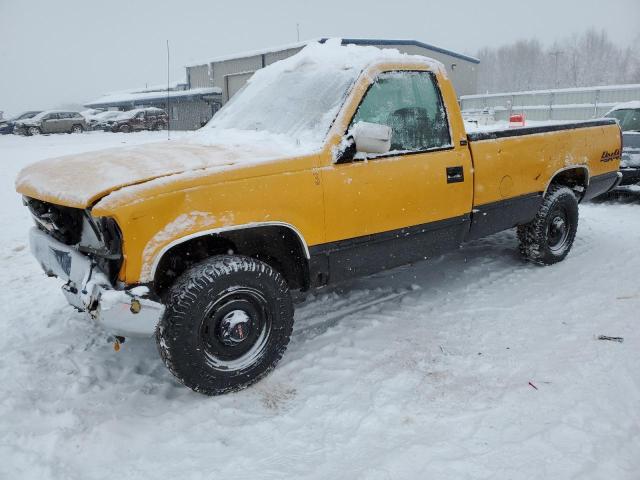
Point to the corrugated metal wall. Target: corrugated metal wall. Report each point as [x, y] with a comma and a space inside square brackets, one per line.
[273, 57]
[561, 104]
[199, 76]
[191, 115]
[463, 74]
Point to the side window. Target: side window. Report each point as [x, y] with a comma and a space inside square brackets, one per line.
[140, 116]
[409, 103]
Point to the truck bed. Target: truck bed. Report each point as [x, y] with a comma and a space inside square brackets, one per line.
[527, 158]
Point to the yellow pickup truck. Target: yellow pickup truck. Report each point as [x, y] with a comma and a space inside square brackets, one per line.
[338, 162]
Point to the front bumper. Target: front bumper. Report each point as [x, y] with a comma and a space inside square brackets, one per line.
[87, 288]
[20, 130]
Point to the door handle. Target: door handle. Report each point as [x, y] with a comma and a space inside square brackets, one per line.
[455, 174]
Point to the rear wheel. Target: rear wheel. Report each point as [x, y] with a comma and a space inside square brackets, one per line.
[548, 238]
[227, 323]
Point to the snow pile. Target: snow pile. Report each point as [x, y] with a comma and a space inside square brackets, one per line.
[299, 97]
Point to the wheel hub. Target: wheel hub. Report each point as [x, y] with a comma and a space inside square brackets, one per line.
[558, 232]
[235, 327]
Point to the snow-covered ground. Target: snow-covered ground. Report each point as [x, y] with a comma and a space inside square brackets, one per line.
[471, 366]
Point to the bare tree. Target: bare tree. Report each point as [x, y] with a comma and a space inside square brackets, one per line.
[588, 59]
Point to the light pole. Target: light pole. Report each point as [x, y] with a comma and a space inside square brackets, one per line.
[556, 54]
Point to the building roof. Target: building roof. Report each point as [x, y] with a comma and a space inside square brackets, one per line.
[393, 43]
[345, 41]
[132, 98]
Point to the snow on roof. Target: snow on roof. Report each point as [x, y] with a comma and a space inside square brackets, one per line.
[298, 97]
[380, 43]
[173, 86]
[124, 97]
[46, 112]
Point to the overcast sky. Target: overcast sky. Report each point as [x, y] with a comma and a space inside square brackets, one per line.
[55, 52]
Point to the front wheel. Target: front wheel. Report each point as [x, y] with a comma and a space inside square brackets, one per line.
[34, 131]
[548, 238]
[77, 129]
[227, 323]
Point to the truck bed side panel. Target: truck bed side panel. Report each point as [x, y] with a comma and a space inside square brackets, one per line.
[513, 168]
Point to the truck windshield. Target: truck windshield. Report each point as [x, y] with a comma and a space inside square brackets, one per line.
[300, 103]
[629, 119]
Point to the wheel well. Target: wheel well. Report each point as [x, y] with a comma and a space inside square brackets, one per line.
[577, 179]
[278, 246]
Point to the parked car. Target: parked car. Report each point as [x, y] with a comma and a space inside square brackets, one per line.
[200, 242]
[628, 116]
[51, 121]
[90, 113]
[140, 119]
[105, 120]
[7, 126]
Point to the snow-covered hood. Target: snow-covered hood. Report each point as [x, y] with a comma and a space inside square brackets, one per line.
[80, 180]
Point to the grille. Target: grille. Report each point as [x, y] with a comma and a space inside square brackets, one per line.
[62, 223]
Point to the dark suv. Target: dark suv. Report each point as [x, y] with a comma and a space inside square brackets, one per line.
[6, 126]
[140, 119]
[51, 121]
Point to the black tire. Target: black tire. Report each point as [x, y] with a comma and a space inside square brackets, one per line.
[159, 126]
[31, 131]
[548, 238]
[227, 323]
[76, 129]
[125, 129]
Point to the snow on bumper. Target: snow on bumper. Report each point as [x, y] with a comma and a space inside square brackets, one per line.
[122, 312]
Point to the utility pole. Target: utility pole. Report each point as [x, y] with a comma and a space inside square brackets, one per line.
[298, 30]
[556, 54]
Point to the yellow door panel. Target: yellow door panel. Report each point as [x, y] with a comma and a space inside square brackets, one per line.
[385, 194]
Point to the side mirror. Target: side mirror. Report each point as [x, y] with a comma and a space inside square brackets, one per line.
[372, 137]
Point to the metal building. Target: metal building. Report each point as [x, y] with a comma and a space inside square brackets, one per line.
[188, 109]
[231, 72]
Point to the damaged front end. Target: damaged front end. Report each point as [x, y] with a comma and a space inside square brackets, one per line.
[86, 253]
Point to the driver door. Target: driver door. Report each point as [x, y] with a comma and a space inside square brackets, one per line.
[137, 122]
[412, 202]
[50, 123]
